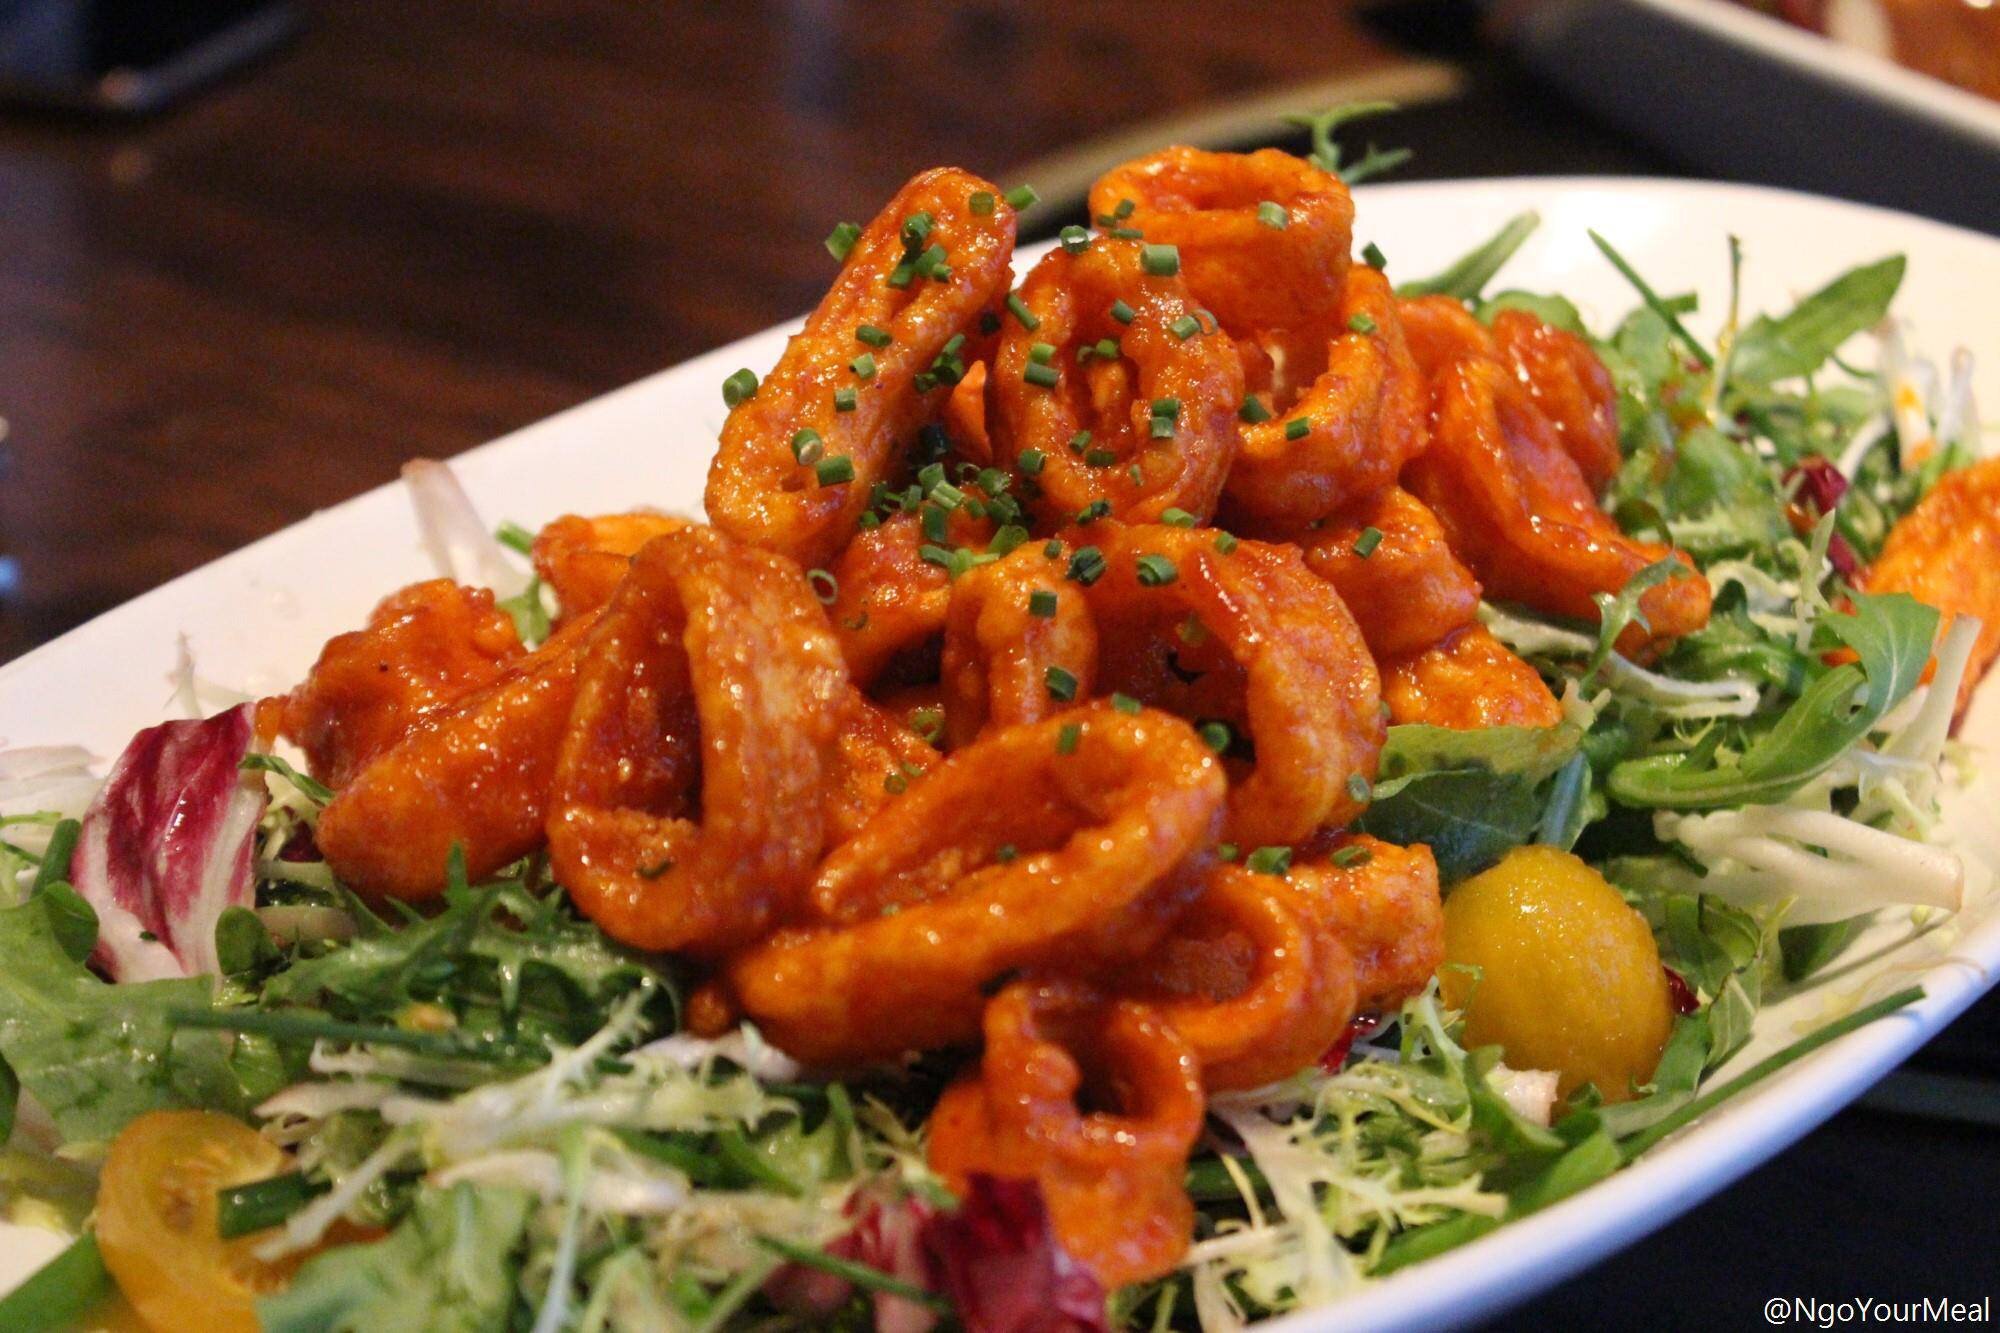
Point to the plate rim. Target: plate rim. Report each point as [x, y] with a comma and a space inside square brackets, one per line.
[1533, 1253]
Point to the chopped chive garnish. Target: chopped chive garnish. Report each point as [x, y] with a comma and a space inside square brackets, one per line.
[1161, 428]
[1086, 566]
[1074, 239]
[1022, 196]
[1225, 851]
[1225, 542]
[1216, 736]
[933, 554]
[1371, 255]
[931, 263]
[1156, 571]
[740, 387]
[1043, 375]
[1162, 261]
[1351, 856]
[824, 585]
[916, 227]
[1041, 353]
[1269, 861]
[1042, 604]
[863, 365]
[947, 496]
[1124, 210]
[833, 471]
[953, 345]
[1052, 548]
[1137, 474]
[1361, 322]
[1099, 458]
[902, 275]
[895, 784]
[1358, 787]
[1170, 408]
[1031, 462]
[1079, 441]
[935, 522]
[1185, 327]
[1107, 349]
[807, 446]
[981, 203]
[1019, 310]
[1272, 214]
[1126, 234]
[1006, 539]
[1365, 544]
[1177, 518]
[845, 400]
[840, 241]
[1298, 428]
[1067, 738]
[1253, 410]
[1126, 704]
[1061, 684]
[1090, 513]
[930, 475]
[1123, 313]
[873, 336]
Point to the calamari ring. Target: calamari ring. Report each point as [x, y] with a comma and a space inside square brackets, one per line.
[758, 491]
[921, 908]
[1276, 652]
[1112, 1179]
[1467, 681]
[583, 559]
[1571, 387]
[1115, 398]
[735, 631]
[1252, 275]
[1408, 591]
[474, 776]
[1385, 912]
[424, 647]
[1440, 330]
[1363, 415]
[1946, 554]
[877, 755]
[965, 415]
[1516, 509]
[1019, 643]
[888, 600]
[1252, 978]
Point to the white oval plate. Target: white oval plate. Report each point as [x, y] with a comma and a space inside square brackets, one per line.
[256, 619]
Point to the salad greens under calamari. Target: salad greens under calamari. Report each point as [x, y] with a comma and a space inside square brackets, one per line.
[504, 1093]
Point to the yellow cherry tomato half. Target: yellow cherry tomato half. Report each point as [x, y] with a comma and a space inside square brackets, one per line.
[156, 1221]
[1569, 977]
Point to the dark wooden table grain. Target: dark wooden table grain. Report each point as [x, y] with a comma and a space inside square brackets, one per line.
[423, 225]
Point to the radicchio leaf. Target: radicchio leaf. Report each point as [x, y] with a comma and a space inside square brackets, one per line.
[1001, 1265]
[166, 847]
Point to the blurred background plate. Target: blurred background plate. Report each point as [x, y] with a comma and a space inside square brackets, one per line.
[1735, 93]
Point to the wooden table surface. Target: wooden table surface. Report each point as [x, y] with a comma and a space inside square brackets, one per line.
[424, 225]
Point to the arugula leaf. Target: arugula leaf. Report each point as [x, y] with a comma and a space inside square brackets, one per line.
[497, 954]
[1659, 305]
[95, 1055]
[1676, 1079]
[1892, 635]
[1799, 342]
[1470, 795]
[449, 1266]
[1468, 275]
